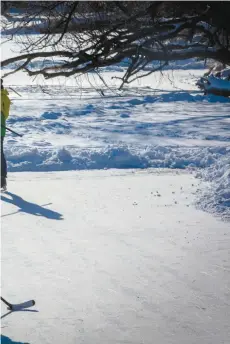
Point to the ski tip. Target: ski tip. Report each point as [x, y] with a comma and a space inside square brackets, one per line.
[21, 306]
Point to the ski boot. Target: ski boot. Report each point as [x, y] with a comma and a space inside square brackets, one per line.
[3, 184]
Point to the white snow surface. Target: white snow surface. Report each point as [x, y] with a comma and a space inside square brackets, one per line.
[160, 121]
[116, 256]
[104, 222]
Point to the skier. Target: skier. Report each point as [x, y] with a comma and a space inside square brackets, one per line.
[5, 109]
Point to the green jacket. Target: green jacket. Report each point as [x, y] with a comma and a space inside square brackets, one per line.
[5, 110]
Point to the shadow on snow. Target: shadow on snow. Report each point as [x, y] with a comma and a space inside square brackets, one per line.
[29, 207]
[7, 340]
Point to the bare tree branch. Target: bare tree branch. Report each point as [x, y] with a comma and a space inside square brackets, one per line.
[94, 35]
[32, 56]
[67, 21]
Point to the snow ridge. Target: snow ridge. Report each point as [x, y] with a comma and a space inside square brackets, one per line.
[213, 164]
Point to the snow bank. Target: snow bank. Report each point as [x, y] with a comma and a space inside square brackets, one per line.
[71, 158]
[215, 196]
[217, 83]
[213, 162]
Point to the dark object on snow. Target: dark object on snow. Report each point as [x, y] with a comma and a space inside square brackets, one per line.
[19, 306]
[12, 131]
[3, 166]
[217, 83]
[3, 184]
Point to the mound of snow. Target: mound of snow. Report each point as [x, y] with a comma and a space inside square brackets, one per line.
[72, 158]
[218, 83]
[214, 164]
[215, 197]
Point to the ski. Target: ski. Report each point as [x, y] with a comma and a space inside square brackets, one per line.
[18, 306]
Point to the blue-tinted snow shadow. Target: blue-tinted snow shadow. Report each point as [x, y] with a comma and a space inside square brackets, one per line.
[84, 111]
[29, 207]
[195, 126]
[170, 97]
[7, 340]
[51, 115]
[16, 119]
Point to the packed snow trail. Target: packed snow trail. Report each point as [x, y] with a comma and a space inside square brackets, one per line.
[116, 256]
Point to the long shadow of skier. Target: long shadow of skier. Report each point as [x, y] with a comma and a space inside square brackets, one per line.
[30, 208]
[7, 340]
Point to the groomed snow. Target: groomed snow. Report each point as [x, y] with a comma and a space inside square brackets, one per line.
[117, 256]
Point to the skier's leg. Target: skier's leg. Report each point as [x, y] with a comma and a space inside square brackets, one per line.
[3, 165]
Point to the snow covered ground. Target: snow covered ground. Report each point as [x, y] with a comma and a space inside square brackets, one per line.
[116, 256]
[70, 126]
[114, 217]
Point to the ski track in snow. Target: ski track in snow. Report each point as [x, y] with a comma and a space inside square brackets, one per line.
[68, 128]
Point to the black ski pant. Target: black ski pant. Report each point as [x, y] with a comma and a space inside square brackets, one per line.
[3, 161]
